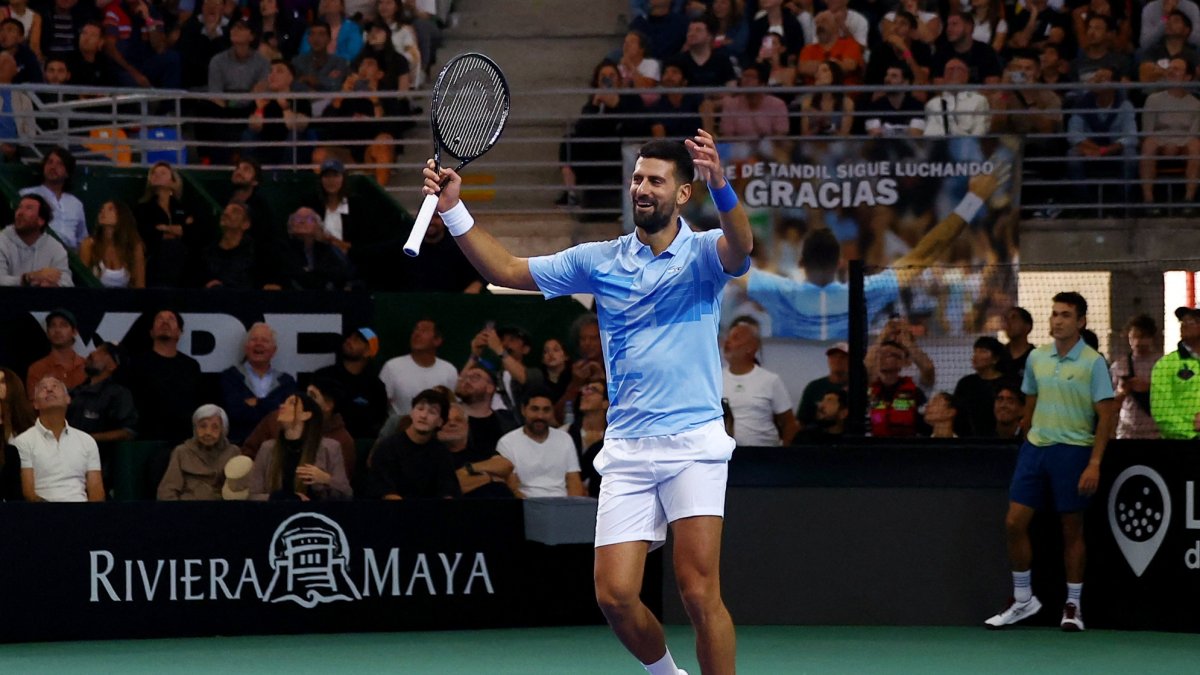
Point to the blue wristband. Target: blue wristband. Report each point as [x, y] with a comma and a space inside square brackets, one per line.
[725, 198]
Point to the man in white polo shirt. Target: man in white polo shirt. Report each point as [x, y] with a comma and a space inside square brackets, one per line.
[544, 459]
[58, 463]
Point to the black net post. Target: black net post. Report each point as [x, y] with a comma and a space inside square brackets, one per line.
[856, 423]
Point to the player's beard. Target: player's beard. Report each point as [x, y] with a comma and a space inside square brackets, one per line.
[654, 221]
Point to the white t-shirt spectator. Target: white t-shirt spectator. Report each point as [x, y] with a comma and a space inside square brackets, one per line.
[755, 399]
[404, 379]
[541, 467]
[60, 466]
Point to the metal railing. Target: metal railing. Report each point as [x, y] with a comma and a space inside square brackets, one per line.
[139, 127]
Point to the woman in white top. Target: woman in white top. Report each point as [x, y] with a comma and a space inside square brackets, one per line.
[990, 26]
[115, 253]
[404, 38]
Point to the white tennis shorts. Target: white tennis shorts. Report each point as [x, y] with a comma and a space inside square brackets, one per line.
[638, 499]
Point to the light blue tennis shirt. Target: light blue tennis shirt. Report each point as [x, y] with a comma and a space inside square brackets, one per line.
[801, 309]
[659, 318]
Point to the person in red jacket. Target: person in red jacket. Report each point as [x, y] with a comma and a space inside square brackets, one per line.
[895, 400]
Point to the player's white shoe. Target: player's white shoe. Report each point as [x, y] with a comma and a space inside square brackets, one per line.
[1072, 622]
[1016, 611]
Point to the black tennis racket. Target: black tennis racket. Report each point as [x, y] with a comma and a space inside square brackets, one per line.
[470, 106]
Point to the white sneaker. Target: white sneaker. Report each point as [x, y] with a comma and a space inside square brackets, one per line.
[1072, 621]
[1016, 611]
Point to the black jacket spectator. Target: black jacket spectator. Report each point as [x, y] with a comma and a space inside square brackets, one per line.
[402, 467]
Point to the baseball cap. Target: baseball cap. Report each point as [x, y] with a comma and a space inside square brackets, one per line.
[371, 338]
[332, 164]
[64, 314]
[1180, 312]
[838, 347]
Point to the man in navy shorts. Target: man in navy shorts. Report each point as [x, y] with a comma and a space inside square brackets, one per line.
[666, 453]
[1069, 416]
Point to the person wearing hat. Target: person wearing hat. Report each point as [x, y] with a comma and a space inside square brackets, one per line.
[1174, 385]
[838, 358]
[975, 394]
[503, 352]
[62, 362]
[364, 397]
[29, 256]
[197, 468]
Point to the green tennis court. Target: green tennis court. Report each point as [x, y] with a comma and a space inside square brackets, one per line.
[794, 650]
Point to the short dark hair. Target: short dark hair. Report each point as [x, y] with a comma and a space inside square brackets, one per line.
[437, 332]
[948, 397]
[1013, 386]
[907, 16]
[51, 58]
[536, 392]
[1024, 314]
[965, 16]
[1144, 323]
[14, 22]
[1074, 299]
[44, 210]
[709, 21]
[992, 345]
[674, 152]
[178, 316]
[642, 38]
[1109, 24]
[286, 64]
[905, 71]
[254, 164]
[320, 23]
[432, 397]
[820, 247]
[1187, 20]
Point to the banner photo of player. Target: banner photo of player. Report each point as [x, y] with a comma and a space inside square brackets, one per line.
[935, 221]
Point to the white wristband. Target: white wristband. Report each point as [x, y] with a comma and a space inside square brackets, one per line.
[968, 207]
[458, 220]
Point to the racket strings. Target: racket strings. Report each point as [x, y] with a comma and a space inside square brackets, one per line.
[471, 113]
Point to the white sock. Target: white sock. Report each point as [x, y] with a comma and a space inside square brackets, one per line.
[1022, 589]
[1074, 593]
[664, 666]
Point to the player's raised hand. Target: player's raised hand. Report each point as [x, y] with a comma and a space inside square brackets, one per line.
[703, 148]
[444, 183]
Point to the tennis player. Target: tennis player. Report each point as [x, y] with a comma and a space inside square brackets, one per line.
[666, 453]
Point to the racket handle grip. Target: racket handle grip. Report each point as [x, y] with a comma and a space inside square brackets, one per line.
[413, 246]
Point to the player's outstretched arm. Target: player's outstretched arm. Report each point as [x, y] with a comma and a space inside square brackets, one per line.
[488, 256]
[936, 241]
[738, 241]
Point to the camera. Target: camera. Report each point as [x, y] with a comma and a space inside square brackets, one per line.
[1017, 77]
[607, 82]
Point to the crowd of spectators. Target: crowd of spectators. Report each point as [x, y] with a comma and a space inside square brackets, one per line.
[514, 419]
[784, 44]
[502, 424]
[162, 241]
[222, 47]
